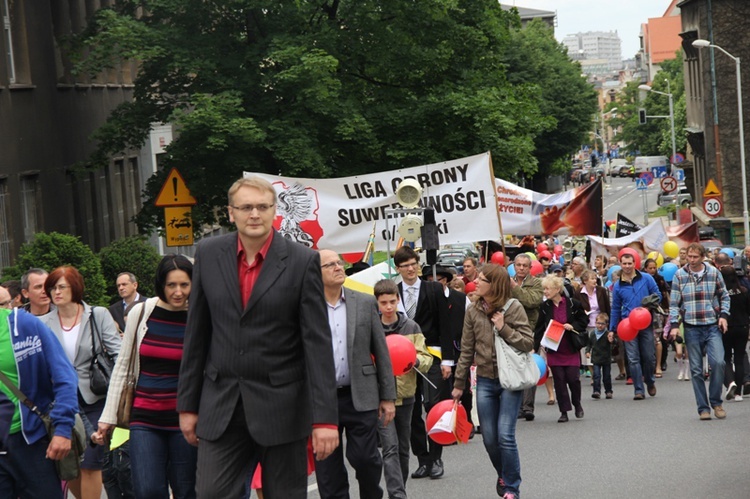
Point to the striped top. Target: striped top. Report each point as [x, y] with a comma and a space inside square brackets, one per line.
[155, 401]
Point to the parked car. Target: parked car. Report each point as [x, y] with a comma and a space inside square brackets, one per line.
[469, 248]
[621, 171]
[453, 257]
[684, 198]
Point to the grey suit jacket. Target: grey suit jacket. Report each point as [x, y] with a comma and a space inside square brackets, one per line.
[274, 354]
[82, 361]
[371, 383]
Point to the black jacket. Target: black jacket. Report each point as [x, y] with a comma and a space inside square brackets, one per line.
[576, 317]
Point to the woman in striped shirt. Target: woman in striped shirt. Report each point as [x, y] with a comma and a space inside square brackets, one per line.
[160, 457]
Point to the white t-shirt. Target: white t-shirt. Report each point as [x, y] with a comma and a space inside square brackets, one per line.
[69, 341]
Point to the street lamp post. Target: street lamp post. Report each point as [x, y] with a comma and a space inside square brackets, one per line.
[671, 118]
[604, 142]
[745, 218]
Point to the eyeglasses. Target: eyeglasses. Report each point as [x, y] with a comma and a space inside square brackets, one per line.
[408, 265]
[59, 287]
[249, 208]
[339, 263]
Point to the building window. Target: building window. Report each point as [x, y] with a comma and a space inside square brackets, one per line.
[8, 39]
[30, 206]
[5, 242]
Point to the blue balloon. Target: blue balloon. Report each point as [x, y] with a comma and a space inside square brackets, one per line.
[728, 251]
[612, 270]
[668, 271]
[540, 364]
[511, 270]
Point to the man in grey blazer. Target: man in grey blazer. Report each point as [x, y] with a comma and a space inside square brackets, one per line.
[365, 384]
[257, 373]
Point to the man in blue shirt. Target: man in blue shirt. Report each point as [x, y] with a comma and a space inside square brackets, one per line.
[627, 295]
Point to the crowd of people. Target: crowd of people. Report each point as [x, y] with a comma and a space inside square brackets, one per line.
[253, 362]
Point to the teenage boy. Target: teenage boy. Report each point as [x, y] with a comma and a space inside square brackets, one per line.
[395, 437]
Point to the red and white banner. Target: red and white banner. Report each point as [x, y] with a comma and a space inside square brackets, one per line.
[340, 213]
[577, 212]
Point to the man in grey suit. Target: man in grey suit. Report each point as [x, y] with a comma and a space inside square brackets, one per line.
[365, 384]
[127, 288]
[257, 371]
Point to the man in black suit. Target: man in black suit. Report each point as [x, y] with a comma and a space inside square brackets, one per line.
[365, 384]
[127, 288]
[257, 372]
[424, 302]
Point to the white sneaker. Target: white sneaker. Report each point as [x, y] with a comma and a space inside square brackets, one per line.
[738, 398]
[679, 376]
[731, 390]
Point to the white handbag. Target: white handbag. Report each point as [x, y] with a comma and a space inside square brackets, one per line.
[517, 370]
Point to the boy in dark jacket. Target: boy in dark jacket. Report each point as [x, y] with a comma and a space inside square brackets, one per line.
[600, 352]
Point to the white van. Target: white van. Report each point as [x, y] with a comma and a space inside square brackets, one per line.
[646, 163]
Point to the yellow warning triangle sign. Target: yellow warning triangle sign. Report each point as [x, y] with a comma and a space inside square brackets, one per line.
[711, 189]
[174, 192]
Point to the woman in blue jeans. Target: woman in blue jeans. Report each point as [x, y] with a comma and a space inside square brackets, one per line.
[497, 408]
[160, 457]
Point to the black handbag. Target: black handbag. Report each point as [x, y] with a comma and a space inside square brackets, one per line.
[102, 362]
[579, 340]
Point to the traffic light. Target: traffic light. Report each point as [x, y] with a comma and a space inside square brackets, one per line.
[641, 116]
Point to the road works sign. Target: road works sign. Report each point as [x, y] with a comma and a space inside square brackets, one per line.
[174, 192]
[711, 189]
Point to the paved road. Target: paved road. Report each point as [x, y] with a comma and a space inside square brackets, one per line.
[622, 197]
[656, 448]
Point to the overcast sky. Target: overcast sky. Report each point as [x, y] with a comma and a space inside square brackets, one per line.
[623, 16]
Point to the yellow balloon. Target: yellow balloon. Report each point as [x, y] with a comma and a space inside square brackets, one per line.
[657, 257]
[613, 227]
[531, 255]
[671, 249]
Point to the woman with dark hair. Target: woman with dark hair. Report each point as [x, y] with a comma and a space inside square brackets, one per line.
[497, 408]
[160, 457]
[565, 361]
[735, 339]
[81, 329]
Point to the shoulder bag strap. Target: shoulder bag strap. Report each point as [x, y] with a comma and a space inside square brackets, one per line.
[135, 338]
[19, 394]
[95, 327]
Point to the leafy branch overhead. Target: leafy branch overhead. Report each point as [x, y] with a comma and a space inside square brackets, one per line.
[322, 89]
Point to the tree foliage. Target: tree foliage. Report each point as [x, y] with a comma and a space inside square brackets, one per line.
[131, 254]
[655, 137]
[49, 251]
[566, 100]
[332, 88]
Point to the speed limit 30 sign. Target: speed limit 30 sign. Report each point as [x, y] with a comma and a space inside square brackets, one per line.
[712, 206]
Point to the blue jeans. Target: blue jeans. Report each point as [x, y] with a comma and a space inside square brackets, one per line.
[498, 412]
[25, 472]
[698, 339]
[642, 359]
[160, 459]
[603, 372]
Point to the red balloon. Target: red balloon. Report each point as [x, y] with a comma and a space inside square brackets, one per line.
[470, 287]
[536, 268]
[403, 353]
[640, 318]
[498, 257]
[443, 437]
[558, 250]
[543, 379]
[625, 330]
[545, 254]
[352, 257]
[541, 247]
[631, 251]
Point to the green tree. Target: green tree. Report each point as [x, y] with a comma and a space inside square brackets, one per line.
[49, 251]
[316, 89]
[655, 137]
[131, 254]
[566, 100]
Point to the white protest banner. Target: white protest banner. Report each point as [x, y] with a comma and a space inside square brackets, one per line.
[339, 213]
[577, 212]
[650, 238]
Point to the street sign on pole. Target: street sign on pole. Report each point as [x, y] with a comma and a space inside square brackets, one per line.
[712, 206]
[679, 174]
[668, 184]
[711, 190]
[174, 192]
[647, 177]
[640, 183]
